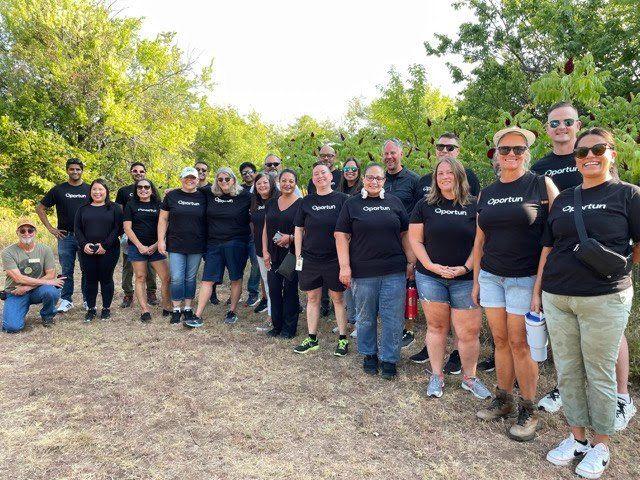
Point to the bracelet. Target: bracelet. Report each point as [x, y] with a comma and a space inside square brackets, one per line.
[466, 269]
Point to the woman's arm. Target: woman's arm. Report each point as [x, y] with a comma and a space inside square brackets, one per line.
[478, 248]
[536, 299]
[266, 256]
[163, 223]
[552, 191]
[128, 230]
[342, 247]
[112, 237]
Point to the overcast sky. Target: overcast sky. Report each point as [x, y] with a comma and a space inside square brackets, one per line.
[286, 58]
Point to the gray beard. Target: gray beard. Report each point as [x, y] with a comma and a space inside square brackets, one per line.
[27, 241]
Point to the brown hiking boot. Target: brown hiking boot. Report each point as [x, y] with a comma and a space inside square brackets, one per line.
[527, 423]
[126, 301]
[152, 298]
[501, 406]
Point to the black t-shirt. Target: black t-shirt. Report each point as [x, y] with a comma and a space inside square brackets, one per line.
[227, 217]
[279, 221]
[125, 195]
[318, 215]
[424, 184]
[560, 168]
[335, 182]
[186, 232]
[512, 219]
[375, 226]
[67, 200]
[403, 185]
[257, 220]
[611, 213]
[449, 232]
[98, 224]
[354, 190]
[144, 220]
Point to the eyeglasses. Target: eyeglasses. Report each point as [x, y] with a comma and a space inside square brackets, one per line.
[442, 147]
[272, 164]
[326, 156]
[349, 169]
[246, 172]
[137, 172]
[202, 170]
[598, 150]
[372, 178]
[519, 150]
[567, 122]
[224, 179]
[144, 187]
[29, 230]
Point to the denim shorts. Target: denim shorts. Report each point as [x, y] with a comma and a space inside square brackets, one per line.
[457, 293]
[512, 293]
[134, 255]
[231, 255]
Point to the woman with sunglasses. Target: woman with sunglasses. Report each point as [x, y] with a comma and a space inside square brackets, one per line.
[277, 242]
[141, 227]
[351, 181]
[315, 248]
[228, 234]
[512, 213]
[182, 235]
[587, 312]
[375, 260]
[97, 226]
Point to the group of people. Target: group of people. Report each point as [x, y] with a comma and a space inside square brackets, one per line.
[356, 238]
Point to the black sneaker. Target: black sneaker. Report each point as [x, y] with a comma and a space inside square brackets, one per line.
[273, 333]
[388, 370]
[90, 315]
[166, 313]
[105, 314]
[487, 365]
[421, 357]
[407, 338]
[145, 317]
[453, 365]
[187, 314]
[176, 317]
[47, 321]
[343, 348]
[214, 298]
[230, 318]
[193, 322]
[287, 335]
[261, 307]
[307, 345]
[253, 300]
[370, 364]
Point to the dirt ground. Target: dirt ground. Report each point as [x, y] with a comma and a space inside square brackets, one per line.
[119, 399]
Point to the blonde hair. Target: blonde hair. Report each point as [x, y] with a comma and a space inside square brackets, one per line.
[235, 189]
[461, 187]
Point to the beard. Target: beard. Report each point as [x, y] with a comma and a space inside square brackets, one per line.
[27, 241]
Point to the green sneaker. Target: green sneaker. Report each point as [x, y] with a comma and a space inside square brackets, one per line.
[343, 348]
[307, 345]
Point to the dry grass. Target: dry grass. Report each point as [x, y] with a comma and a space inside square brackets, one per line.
[121, 400]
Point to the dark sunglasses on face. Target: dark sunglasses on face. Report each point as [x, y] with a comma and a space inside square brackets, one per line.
[144, 187]
[598, 150]
[272, 164]
[349, 169]
[519, 150]
[137, 172]
[224, 179]
[29, 230]
[449, 148]
[202, 170]
[247, 172]
[567, 122]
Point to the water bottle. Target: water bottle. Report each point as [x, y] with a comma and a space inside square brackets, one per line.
[537, 336]
[411, 301]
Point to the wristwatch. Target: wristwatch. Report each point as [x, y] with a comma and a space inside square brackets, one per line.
[466, 269]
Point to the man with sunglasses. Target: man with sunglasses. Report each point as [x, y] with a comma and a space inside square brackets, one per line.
[562, 127]
[67, 197]
[273, 166]
[31, 279]
[248, 173]
[327, 155]
[125, 194]
[202, 168]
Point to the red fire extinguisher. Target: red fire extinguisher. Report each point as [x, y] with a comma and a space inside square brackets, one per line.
[411, 301]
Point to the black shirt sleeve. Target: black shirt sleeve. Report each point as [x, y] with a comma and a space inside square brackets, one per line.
[78, 230]
[49, 200]
[474, 183]
[634, 214]
[343, 224]
[416, 215]
[127, 215]
[116, 229]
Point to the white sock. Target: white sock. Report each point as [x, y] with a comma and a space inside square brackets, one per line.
[624, 397]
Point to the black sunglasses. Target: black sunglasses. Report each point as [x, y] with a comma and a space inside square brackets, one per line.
[202, 169]
[272, 164]
[598, 150]
[567, 122]
[24, 231]
[224, 179]
[144, 187]
[449, 148]
[246, 172]
[519, 150]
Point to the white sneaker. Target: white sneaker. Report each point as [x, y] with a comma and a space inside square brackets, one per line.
[624, 413]
[551, 402]
[64, 306]
[567, 451]
[354, 334]
[594, 462]
[335, 330]
[85, 306]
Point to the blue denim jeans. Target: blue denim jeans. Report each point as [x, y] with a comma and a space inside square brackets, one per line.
[350, 306]
[67, 252]
[17, 306]
[380, 296]
[253, 284]
[183, 268]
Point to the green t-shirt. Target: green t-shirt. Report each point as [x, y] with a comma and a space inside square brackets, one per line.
[33, 264]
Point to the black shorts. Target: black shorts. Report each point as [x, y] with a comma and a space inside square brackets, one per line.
[315, 274]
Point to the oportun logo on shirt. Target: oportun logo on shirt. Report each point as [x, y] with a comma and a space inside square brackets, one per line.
[323, 207]
[590, 206]
[219, 200]
[75, 195]
[193, 204]
[376, 209]
[560, 171]
[440, 211]
[498, 201]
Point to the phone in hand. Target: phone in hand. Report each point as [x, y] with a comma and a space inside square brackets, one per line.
[277, 237]
[94, 247]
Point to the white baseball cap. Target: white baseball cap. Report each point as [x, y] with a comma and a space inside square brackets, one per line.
[189, 172]
[529, 136]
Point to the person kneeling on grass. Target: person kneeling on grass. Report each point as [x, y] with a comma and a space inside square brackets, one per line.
[31, 279]
[315, 247]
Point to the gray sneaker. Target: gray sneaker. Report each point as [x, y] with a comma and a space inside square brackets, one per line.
[476, 387]
[230, 318]
[434, 389]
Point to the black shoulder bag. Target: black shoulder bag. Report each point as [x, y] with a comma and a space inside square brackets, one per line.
[602, 260]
